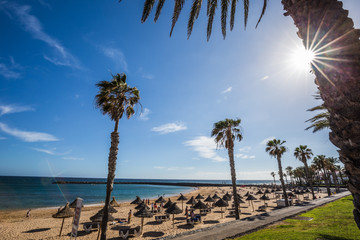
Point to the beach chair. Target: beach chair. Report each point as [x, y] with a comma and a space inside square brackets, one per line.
[124, 233]
[88, 226]
[135, 232]
[190, 221]
[162, 218]
[262, 208]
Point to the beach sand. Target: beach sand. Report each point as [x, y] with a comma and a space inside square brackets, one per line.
[41, 225]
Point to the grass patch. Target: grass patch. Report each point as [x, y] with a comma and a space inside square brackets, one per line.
[332, 221]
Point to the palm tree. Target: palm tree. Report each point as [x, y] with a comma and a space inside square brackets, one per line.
[276, 149]
[326, 29]
[303, 153]
[115, 98]
[285, 175]
[321, 120]
[331, 161]
[273, 175]
[225, 133]
[320, 161]
[289, 173]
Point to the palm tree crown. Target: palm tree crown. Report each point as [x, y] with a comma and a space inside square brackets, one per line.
[226, 132]
[303, 153]
[275, 148]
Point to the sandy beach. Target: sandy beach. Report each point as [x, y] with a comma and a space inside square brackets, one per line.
[41, 225]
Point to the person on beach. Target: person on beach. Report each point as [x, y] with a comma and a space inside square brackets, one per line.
[192, 215]
[129, 217]
[28, 213]
[152, 207]
[186, 212]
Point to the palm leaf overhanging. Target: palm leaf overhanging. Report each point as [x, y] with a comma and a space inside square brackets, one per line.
[319, 121]
[195, 11]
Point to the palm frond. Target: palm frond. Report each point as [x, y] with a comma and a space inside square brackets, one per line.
[177, 9]
[194, 14]
[319, 107]
[246, 12]
[148, 5]
[232, 14]
[262, 12]
[318, 125]
[158, 9]
[224, 10]
[213, 6]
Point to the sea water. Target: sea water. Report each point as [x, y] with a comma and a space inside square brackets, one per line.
[39, 192]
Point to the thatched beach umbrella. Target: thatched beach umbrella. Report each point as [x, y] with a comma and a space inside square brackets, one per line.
[168, 204]
[199, 196]
[191, 201]
[64, 213]
[209, 199]
[228, 194]
[247, 194]
[141, 205]
[111, 209]
[221, 203]
[290, 194]
[200, 205]
[182, 198]
[73, 204]
[143, 213]
[259, 192]
[215, 196]
[173, 209]
[267, 191]
[114, 203]
[264, 198]
[250, 198]
[160, 200]
[226, 197]
[137, 200]
[99, 215]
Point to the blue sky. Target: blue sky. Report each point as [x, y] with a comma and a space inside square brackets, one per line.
[52, 53]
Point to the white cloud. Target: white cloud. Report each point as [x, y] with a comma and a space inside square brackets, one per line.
[28, 136]
[245, 149]
[47, 151]
[144, 115]
[115, 55]
[33, 26]
[169, 128]
[264, 78]
[265, 141]
[244, 156]
[159, 167]
[252, 175]
[227, 90]
[206, 148]
[73, 158]
[8, 72]
[7, 109]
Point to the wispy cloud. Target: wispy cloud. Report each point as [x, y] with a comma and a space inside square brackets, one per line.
[2, 138]
[33, 26]
[7, 109]
[8, 72]
[265, 141]
[264, 78]
[159, 167]
[145, 114]
[251, 175]
[169, 128]
[73, 158]
[47, 151]
[245, 149]
[227, 90]
[143, 74]
[244, 156]
[116, 55]
[206, 148]
[28, 136]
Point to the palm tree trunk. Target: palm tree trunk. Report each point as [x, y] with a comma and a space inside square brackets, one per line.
[233, 176]
[282, 180]
[327, 182]
[309, 179]
[110, 180]
[341, 177]
[336, 182]
[339, 84]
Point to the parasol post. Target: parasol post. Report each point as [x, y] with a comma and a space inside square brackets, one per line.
[99, 230]
[142, 224]
[221, 212]
[173, 220]
[61, 226]
[252, 204]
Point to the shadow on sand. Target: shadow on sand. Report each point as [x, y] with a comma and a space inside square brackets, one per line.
[37, 230]
[185, 226]
[153, 234]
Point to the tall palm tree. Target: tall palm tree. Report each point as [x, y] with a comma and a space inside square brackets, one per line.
[276, 149]
[326, 29]
[289, 173]
[273, 175]
[303, 153]
[331, 161]
[320, 161]
[115, 98]
[225, 133]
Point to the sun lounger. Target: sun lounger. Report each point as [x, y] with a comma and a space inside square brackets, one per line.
[124, 233]
[262, 208]
[162, 218]
[88, 226]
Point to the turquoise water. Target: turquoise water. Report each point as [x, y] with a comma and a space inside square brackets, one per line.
[38, 192]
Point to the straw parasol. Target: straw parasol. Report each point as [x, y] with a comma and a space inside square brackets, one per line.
[64, 213]
[215, 196]
[168, 204]
[259, 192]
[137, 200]
[182, 198]
[173, 209]
[240, 201]
[141, 205]
[247, 194]
[160, 200]
[73, 204]
[114, 203]
[250, 198]
[226, 198]
[199, 196]
[209, 199]
[290, 194]
[221, 203]
[191, 201]
[143, 213]
[200, 205]
[267, 191]
[265, 198]
[99, 215]
[111, 209]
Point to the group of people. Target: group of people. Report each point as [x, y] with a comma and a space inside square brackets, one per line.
[156, 208]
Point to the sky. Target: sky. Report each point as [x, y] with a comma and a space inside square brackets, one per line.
[52, 53]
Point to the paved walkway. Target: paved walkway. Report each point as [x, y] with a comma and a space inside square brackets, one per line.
[250, 224]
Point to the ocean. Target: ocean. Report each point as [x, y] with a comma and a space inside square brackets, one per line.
[40, 192]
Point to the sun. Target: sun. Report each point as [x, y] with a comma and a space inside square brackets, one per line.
[301, 59]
